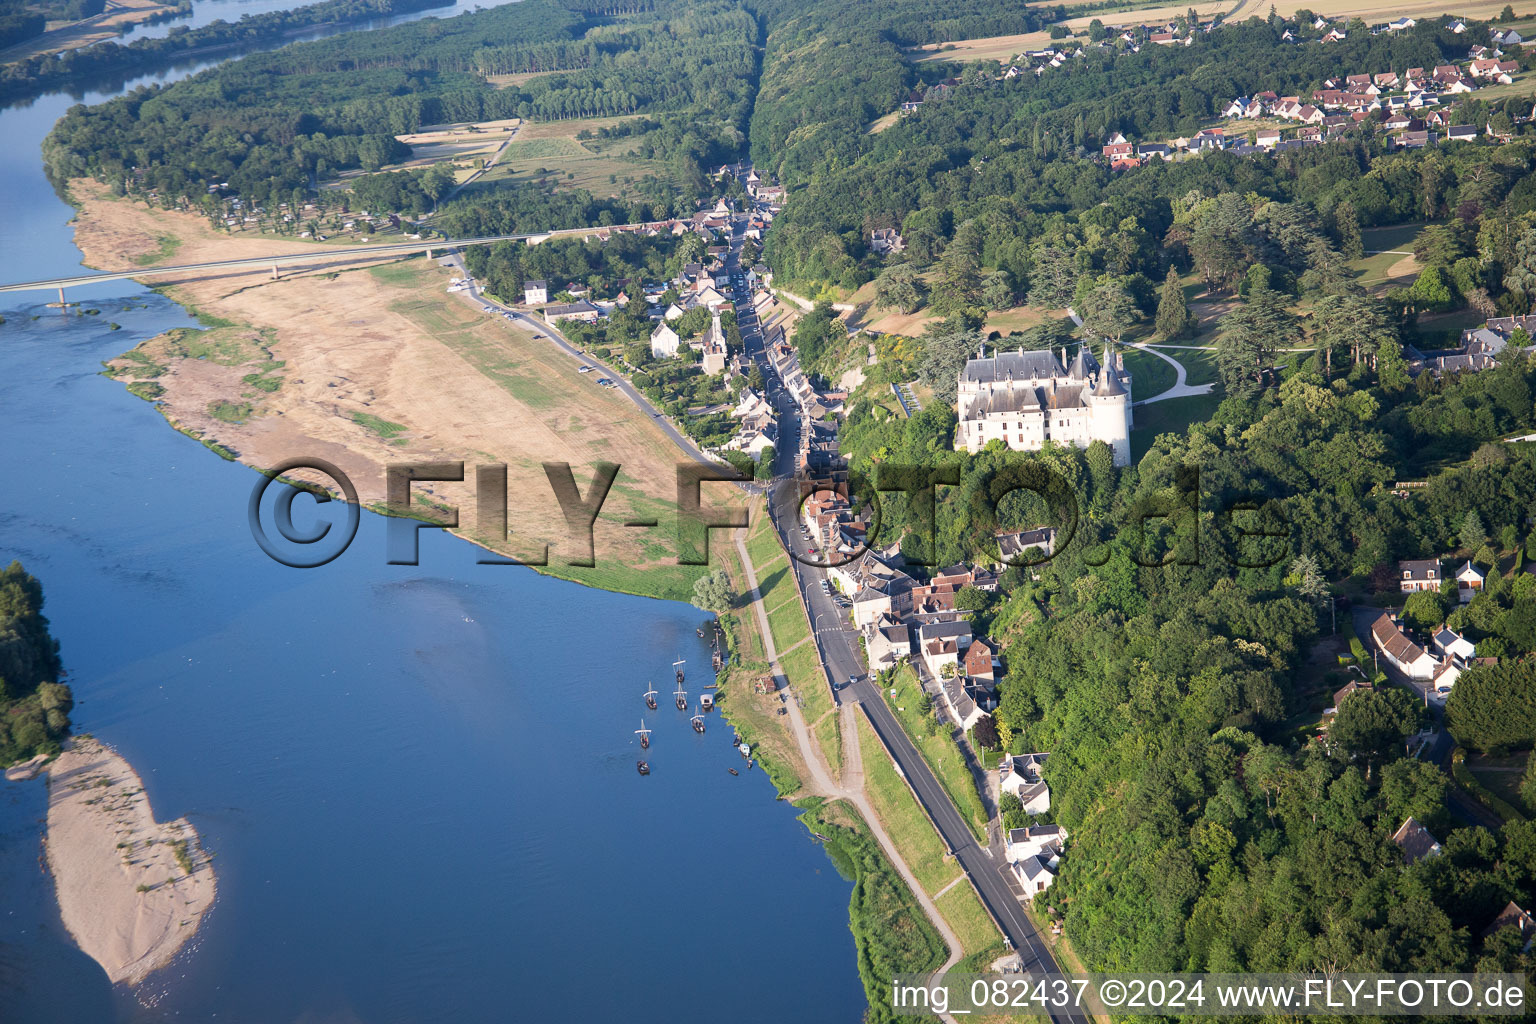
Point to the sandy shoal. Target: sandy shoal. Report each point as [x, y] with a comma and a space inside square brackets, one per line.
[123, 894]
[357, 346]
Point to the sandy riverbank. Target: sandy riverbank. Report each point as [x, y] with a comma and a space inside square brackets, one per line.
[124, 890]
[372, 365]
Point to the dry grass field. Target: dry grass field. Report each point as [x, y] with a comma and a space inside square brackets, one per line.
[72, 35]
[550, 151]
[367, 366]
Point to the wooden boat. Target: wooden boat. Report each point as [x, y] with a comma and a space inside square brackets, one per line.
[645, 735]
[706, 701]
[698, 722]
[650, 698]
[681, 697]
[733, 771]
[642, 768]
[678, 665]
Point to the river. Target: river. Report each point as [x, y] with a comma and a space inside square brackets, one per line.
[418, 782]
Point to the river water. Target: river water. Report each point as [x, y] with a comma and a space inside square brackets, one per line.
[418, 782]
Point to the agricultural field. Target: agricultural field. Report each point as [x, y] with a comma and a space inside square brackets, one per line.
[550, 152]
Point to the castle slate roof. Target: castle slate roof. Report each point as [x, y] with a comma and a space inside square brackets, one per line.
[1014, 366]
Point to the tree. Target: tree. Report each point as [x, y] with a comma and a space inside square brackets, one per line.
[712, 592]
[1493, 707]
[900, 287]
[1424, 609]
[1520, 277]
[1528, 783]
[947, 345]
[1053, 281]
[1173, 316]
[1307, 577]
[997, 290]
[1373, 724]
[1347, 228]
[1109, 311]
[765, 463]
[1472, 533]
[1356, 324]
[1250, 337]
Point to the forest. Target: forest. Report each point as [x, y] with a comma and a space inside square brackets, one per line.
[34, 705]
[37, 74]
[269, 123]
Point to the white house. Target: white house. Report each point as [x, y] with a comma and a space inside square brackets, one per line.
[1400, 24]
[1034, 855]
[1454, 645]
[1469, 581]
[941, 644]
[1411, 659]
[535, 293]
[1019, 774]
[664, 341]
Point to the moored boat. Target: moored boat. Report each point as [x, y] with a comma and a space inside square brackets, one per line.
[650, 697]
[645, 735]
[698, 722]
[642, 768]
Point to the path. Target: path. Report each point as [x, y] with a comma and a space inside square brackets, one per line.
[821, 781]
[1181, 386]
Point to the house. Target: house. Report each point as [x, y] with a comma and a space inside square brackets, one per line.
[1456, 27]
[1411, 659]
[961, 701]
[1454, 645]
[1044, 841]
[1267, 138]
[1034, 855]
[1034, 876]
[582, 310]
[1335, 36]
[1237, 108]
[1350, 688]
[664, 341]
[1012, 544]
[886, 642]
[1506, 37]
[1469, 581]
[980, 660]
[1117, 150]
[1019, 774]
[535, 293]
[1461, 133]
[1415, 840]
[1419, 574]
[1400, 24]
[1512, 916]
[940, 644]
[884, 240]
[1386, 80]
[1151, 149]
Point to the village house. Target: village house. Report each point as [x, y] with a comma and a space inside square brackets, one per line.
[1019, 774]
[1454, 645]
[940, 645]
[664, 341]
[1409, 658]
[535, 293]
[1034, 854]
[887, 642]
[886, 240]
[1512, 916]
[582, 310]
[1415, 841]
[1419, 574]
[1469, 581]
[1013, 544]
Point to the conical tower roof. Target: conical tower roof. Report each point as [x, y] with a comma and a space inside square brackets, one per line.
[1109, 381]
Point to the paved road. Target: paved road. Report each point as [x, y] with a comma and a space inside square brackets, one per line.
[838, 642]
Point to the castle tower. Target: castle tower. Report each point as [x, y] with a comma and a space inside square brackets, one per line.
[1109, 411]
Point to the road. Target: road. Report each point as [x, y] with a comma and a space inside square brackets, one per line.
[838, 644]
[1441, 745]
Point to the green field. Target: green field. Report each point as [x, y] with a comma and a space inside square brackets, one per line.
[908, 826]
[1150, 375]
[550, 152]
[1171, 417]
[938, 748]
